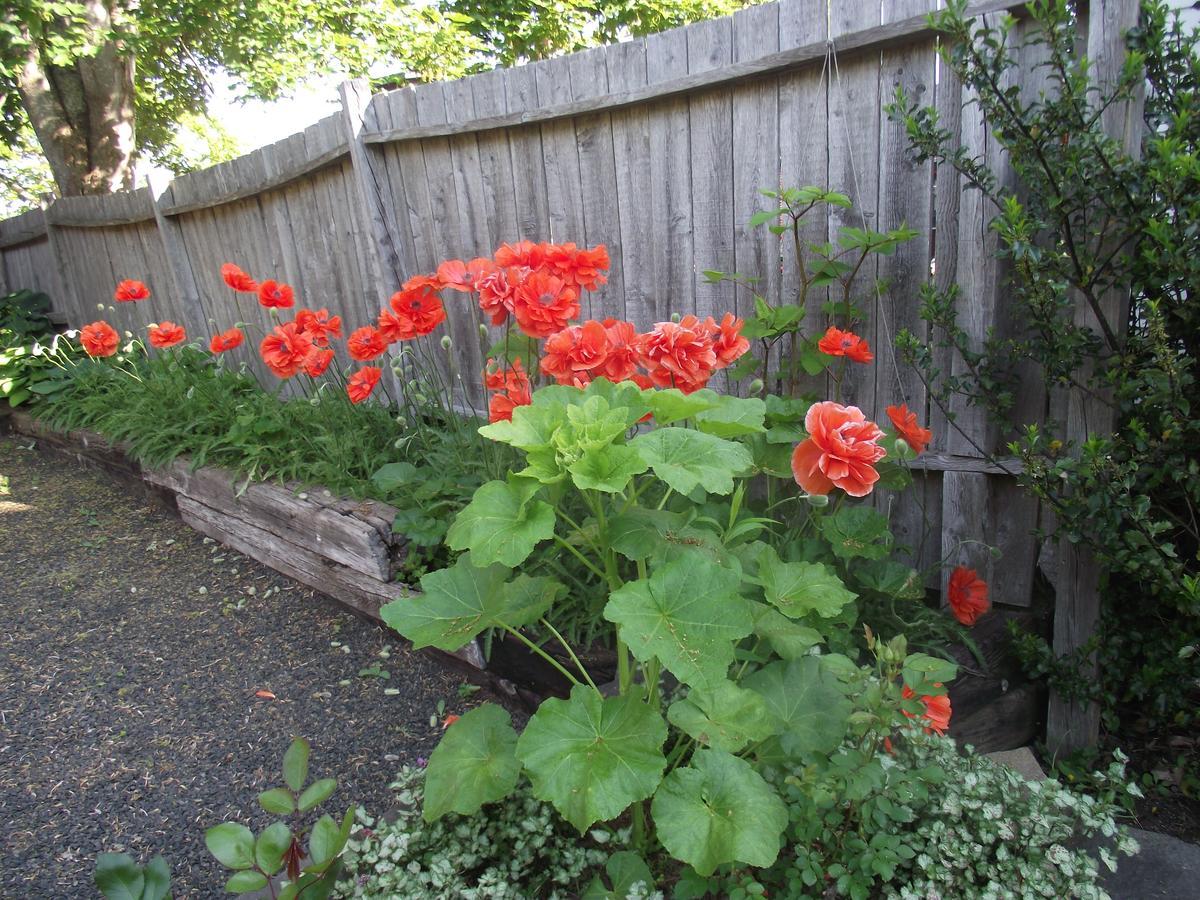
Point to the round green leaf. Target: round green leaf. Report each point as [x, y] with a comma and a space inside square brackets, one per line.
[673, 405]
[295, 764]
[726, 717]
[245, 882]
[734, 417]
[718, 810]
[232, 844]
[800, 588]
[607, 469]
[591, 757]
[502, 524]
[316, 793]
[687, 459]
[808, 701]
[118, 877]
[689, 614]
[787, 638]
[474, 764]
[279, 801]
[270, 847]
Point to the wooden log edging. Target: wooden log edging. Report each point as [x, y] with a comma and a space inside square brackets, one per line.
[339, 547]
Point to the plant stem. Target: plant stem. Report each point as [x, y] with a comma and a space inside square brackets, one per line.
[540, 652]
[570, 653]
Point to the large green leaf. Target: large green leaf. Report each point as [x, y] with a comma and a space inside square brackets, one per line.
[532, 426]
[800, 588]
[734, 416]
[687, 459]
[787, 638]
[118, 877]
[725, 717]
[502, 523]
[857, 531]
[591, 757]
[807, 700]
[688, 614]
[638, 532]
[718, 810]
[607, 469]
[474, 764]
[460, 602]
[673, 405]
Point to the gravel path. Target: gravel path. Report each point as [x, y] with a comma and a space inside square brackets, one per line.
[131, 652]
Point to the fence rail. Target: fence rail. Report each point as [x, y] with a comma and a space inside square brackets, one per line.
[656, 147]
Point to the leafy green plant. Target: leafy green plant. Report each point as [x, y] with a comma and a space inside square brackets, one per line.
[1085, 220]
[690, 588]
[279, 847]
[118, 877]
[32, 358]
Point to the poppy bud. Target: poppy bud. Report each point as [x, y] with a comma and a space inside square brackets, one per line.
[756, 386]
[129, 334]
[314, 401]
[100, 306]
[446, 342]
[675, 317]
[397, 365]
[817, 500]
[483, 331]
[401, 421]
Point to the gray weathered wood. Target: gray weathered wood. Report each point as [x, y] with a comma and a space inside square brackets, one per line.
[17, 230]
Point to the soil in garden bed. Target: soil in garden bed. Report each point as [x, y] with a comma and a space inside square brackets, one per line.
[133, 654]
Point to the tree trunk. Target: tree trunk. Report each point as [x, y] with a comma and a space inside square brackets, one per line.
[83, 113]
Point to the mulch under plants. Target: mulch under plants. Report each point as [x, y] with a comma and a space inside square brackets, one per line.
[150, 681]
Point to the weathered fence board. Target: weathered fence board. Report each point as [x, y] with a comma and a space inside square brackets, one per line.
[657, 148]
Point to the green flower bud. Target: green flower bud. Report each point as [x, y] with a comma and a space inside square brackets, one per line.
[756, 386]
[817, 500]
[446, 342]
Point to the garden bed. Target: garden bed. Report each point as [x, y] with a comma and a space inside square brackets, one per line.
[346, 549]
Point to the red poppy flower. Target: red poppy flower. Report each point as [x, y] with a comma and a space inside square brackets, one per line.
[392, 327]
[906, 426]
[131, 290]
[728, 342]
[418, 311]
[285, 349]
[967, 595]
[317, 362]
[622, 359]
[99, 339]
[237, 279]
[226, 340]
[845, 343]
[273, 294]
[166, 334]
[523, 254]
[937, 710]
[512, 389]
[464, 277]
[579, 268]
[365, 344]
[579, 348]
[840, 451]
[319, 325]
[679, 354]
[496, 293]
[362, 383]
[544, 304]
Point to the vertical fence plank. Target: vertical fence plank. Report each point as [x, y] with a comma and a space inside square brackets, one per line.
[525, 146]
[179, 266]
[495, 161]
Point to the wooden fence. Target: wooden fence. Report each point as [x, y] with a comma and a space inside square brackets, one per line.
[655, 147]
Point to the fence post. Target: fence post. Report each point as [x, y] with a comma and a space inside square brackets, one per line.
[1071, 724]
[182, 277]
[66, 289]
[384, 261]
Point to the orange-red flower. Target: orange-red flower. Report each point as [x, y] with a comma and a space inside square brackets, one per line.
[418, 311]
[728, 342]
[285, 349]
[512, 389]
[575, 350]
[622, 360]
[99, 339]
[544, 304]
[496, 293]
[131, 290]
[274, 294]
[579, 268]
[366, 343]
[317, 362]
[967, 595]
[845, 343]
[679, 354]
[319, 325]
[523, 254]
[362, 383]
[233, 276]
[460, 276]
[937, 710]
[226, 340]
[905, 423]
[166, 334]
[840, 451]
